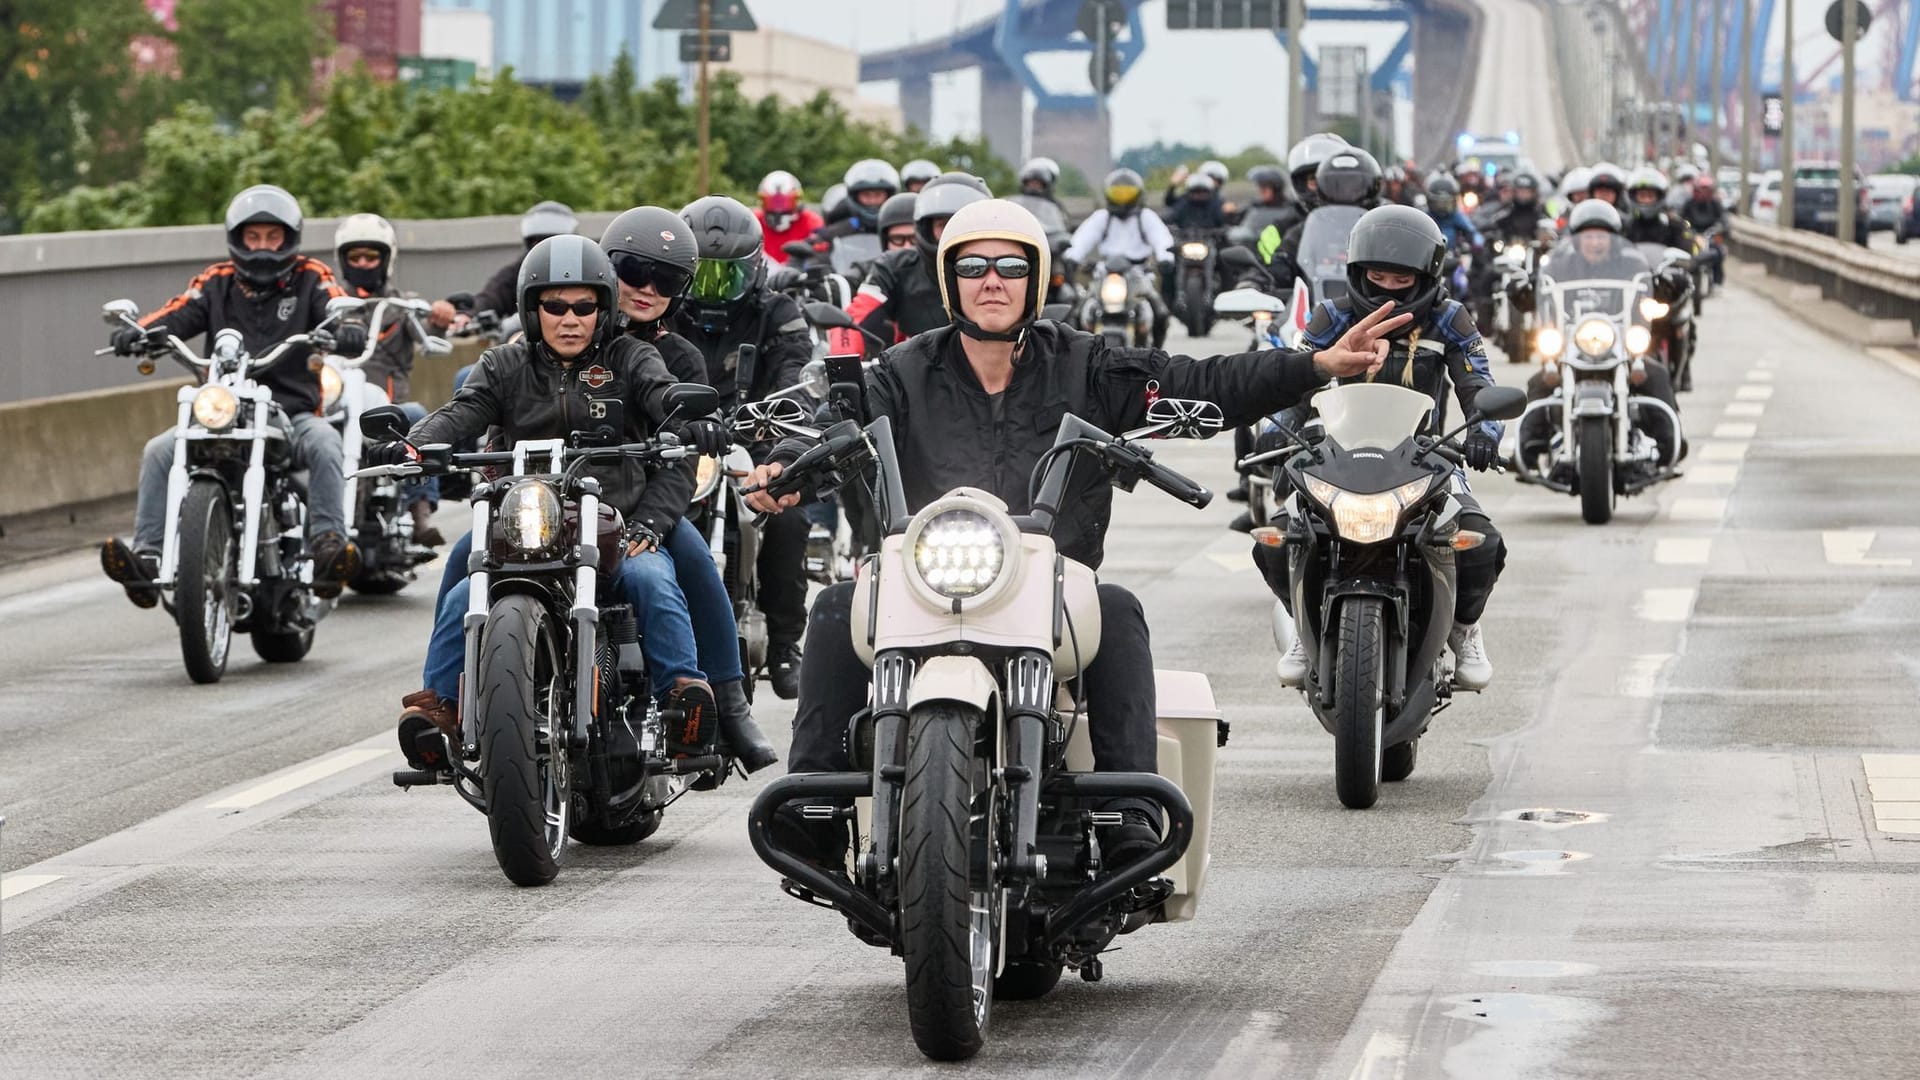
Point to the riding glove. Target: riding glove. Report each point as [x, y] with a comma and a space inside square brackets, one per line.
[129, 340]
[1481, 450]
[707, 436]
[350, 340]
[388, 453]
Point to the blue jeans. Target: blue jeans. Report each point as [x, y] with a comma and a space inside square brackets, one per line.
[428, 487]
[707, 601]
[645, 581]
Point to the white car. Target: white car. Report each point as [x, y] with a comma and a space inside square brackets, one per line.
[1766, 198]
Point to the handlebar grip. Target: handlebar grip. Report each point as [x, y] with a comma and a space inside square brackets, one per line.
[1450, 453]
[1194, 495]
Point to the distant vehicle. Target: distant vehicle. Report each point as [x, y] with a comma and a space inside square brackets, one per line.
[1909, 226]
[1766, 198]
[1816, 199]
[1889, 193]
[1497, 153]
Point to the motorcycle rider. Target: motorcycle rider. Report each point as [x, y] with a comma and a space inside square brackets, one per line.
[896, 222]
[1609, 185]
[269, 292]
[654, 257]
[1303, 168]
[729, 306]
[1573, 192]
[1348, 177]
[541, 220]
[783, 217]
[1705, 214]
[1394, 187]
[965, 412]
[1126, 228]
[366, 248]
[529, 389]
[1651, 222]
[1199, 208]
[1037, 180]
[1443, 206]
[1519, 219]
[1395, 254]
[900, 296]
[917, 174]
[1272, 195]
[870, 183]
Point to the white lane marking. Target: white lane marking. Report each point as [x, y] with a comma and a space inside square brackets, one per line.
[1901, 362]
[1381, 1058]
[1711, 474]
[1733, 430]
[1665, 605]
[1723, 451]
[1849, 548]
[1892, 765]
[298, 778]
[1642, 673]
[1894, 789]
[1753, 393]
[1683, 550]
[14, 884]
[1759, 375]
[58, 596]
[1897, 811]
[1698, 509]
[1767, 362]
[1238, 562]
[1747, 408]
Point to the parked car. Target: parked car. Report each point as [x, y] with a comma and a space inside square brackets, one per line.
[1890, 192]
[1766, 197]
[1909, 226]
[1816, 199]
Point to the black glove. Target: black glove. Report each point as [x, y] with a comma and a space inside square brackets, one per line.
[129, 340]
[388, 453]
[639, 533]
[707, 436]
[349, 339]
[1481, 450]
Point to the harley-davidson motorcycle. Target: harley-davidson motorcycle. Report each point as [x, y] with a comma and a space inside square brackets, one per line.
[976, 810]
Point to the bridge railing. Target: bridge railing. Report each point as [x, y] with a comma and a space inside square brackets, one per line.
[1878, 286]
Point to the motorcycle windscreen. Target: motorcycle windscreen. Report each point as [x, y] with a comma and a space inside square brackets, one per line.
[1323, 244]
[1564, 302]
[1371, 416]
[855, 248]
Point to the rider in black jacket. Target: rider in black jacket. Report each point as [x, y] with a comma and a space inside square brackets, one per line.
[899, 293]
[1708, 218]
[1648, 219]
[977, 403]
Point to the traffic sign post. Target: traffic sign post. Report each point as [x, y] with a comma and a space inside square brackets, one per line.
[718, 48]
[1100, 21]
[703, 18]
[1853, 19]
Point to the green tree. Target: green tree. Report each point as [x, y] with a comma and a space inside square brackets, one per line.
[238, 54]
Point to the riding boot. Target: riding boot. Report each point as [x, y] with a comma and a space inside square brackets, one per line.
[743, 738]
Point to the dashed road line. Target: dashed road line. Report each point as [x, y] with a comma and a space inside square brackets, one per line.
[249, 798]
[14, 884]
[1849, 547]
[1746, 408]
[1893, 784]
[1733, 430]
[1753, 393]
[1759, 375]
[1724, 450]
[1642, 674]
[1697, 509]
[1683, 550]
[1710, 474]
[1665, 605]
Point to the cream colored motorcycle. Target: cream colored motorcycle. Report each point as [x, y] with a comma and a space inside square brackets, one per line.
[976, 810]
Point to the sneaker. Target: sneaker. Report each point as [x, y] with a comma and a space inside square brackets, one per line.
[1127, 843]
[1292, 667]
[1471, 668]
[135, 570]
[335, 561]
[783, 669]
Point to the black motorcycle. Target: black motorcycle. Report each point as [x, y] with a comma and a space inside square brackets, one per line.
[1196, 280]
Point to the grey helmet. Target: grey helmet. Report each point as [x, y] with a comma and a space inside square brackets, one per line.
[872, 174]
[1594, 214]
[941, 199]
[1218, 170]
[897, 210]
[1043, 169]
[918, 171]
[264, 204]
[546, 219]
[560, 261]
[657, 235]
[728, 240]
[1403, 240]
[1303, 161]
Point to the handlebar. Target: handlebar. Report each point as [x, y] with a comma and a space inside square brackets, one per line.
[438, 460]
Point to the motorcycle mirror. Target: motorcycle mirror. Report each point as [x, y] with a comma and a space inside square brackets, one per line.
[785, 278]
[1246, 301]
[114, 312]
[820, 313]
[1056, 312]
[1239, 258]
[344, 305]
[1500, 402]
[1240, 237]
[387, 423]
[692, 399]
[798, 249]
[438, 346]
[1185, 418]
[813, 377]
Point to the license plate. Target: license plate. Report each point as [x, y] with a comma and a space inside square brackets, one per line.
[1826, 215]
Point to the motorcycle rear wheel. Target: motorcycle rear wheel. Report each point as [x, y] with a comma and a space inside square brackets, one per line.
[1359, 702]
[525, 773]
[1596, 470]
[203, 587]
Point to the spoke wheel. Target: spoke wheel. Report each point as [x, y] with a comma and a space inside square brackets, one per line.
[527, 777]
[203, 581]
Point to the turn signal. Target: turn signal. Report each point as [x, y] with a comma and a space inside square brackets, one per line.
[1467, 540]
[1269, 536]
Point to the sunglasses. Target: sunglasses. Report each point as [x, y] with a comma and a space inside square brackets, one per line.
[903, 240]
[582, 308]
[641, 273]
[1007, 266]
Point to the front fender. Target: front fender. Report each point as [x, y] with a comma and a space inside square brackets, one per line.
[960, 679]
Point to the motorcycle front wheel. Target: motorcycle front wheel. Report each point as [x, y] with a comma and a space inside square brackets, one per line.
[1197, 306]
[524, 769]
[1596, 469]
[203, 586]
[1359, 701]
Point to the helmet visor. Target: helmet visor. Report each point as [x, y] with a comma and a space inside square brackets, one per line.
[1123, 194]
[718, 281]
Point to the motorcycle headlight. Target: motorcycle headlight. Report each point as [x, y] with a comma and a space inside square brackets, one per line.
[959, 553]
[1594, 337]
[1366, 519]
[530, 516]
[706, 476]
[1639, 340]
[1113, 293]
[214, 408]
[1549, 342]
[1193, 249]
[330, 386]
[1651, 309]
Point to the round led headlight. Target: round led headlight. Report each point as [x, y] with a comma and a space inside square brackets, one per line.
[214, 407]
[706, 476]
[530, 516]
[1639, 340]
[1193, 249]
[959, 553]
[330, 386]
[1113, 293]
[1549, 341]
[1594, 337]
[1651, 309]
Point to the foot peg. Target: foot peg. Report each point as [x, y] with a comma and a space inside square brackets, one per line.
[411, 778]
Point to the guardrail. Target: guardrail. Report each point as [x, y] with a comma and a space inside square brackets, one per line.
[1878, 286]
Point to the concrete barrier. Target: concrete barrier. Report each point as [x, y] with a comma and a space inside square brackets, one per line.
[1878, 287]
[79, 447]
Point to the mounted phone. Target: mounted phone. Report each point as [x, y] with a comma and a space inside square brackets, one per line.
[847, 377]
[604, 424]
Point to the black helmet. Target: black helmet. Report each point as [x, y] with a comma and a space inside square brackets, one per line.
[546, 219]
[1646, 178]
[1528, 184]
[1443, 194]
[943, 196]
[1593, 214]
[263, 204]
[897, 210]
[652, 245]
[1123, 190]
[728, 239]
[1303, 161]
[560, 261]
[1405, 241]
[1272, 176]
[1348, 177]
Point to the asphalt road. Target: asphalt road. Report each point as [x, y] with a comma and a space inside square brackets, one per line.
[1507, 89]
[1718, 687]
[1883, 242]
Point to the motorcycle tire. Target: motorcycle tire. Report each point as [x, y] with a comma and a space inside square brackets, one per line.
[1025, 980]
[203, 586]
[1359, 701]
[1596, 469]
[376, 584]
[948, 809]
[1396, 763]
[527, 786]
[1197, 308]
[282, 646]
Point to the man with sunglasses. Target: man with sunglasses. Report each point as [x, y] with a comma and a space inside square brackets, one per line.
[754, 341]
[977, 403]
[900, 297]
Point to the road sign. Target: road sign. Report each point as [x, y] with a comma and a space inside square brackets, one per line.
[1094, 12]
[1862, 16]
[719, 47]
[1773, 112]
[721, 15]
[1343, 71]
[1226, 14]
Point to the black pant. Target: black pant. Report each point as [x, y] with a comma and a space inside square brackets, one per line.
[1119, 687]
[1536, 432]
[1475, 570]
[783, 576]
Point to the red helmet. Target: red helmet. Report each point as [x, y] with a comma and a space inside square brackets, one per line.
[780, 196]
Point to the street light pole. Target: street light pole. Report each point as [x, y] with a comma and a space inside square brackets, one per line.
[1296, 78]
[1849, 34]
[706, 28]
[1749, 105]
[1714, 80]
[1786, 122]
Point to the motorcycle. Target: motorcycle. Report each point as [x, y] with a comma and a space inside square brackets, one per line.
[1371, 531]
[1118, 309]
[382, 525]
[1713, 252]
[1669, 310]
[976, 812]
[235, 556]
[1262, 311]
[561, 737]
[1594, 333]
[1514, 263]
[1194, 259]
[808, 277]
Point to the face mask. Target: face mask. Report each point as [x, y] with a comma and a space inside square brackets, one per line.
[371, 279]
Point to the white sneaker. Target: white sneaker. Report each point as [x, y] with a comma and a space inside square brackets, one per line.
[1471, 668]
[1292, 667]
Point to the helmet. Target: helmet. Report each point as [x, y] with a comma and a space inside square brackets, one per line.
[1303, 161]
[1685, 174]
[780, 197]
[1703, 184]
[1272, 176]
[1123, 190]
[547, 219]
[942, 198]
[1593, 214]
[897, 210]
[918, 171]
[1217, 170]
[1201, 182]
[834, 203]
[366, 231]
[1405, 241]
[872, 174]
[1577, 179]
[994, 219]
[1348, 177]
[263, 204]
[1526, 184]
[565, 260]
[1610, 177]
[1044, 169]
[1443, 194]
[658, 235]
[727, 238]
[1647, 178]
